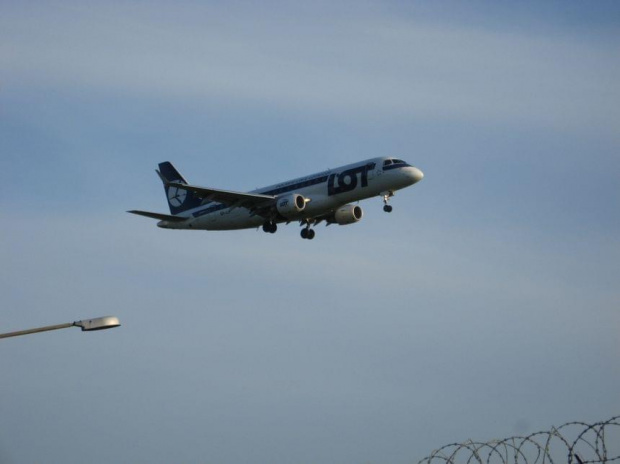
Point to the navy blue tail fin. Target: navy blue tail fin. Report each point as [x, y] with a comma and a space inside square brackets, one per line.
[179, 200]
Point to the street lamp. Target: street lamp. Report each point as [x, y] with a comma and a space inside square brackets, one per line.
[87, 325]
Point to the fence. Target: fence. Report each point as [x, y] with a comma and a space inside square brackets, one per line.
[576, 442]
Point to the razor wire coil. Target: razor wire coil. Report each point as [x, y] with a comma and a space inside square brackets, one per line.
[578, 442]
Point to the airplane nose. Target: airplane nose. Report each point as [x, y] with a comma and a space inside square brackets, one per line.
[416, 175]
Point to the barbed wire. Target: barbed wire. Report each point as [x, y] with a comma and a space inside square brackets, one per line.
[578, 442]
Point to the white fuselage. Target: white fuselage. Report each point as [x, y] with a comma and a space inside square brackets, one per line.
[324, 192]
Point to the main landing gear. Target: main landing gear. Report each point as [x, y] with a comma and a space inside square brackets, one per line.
[307, 232]
[270, 227]
[386, 197]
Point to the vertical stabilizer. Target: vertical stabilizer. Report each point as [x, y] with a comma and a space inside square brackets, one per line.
[179, 200]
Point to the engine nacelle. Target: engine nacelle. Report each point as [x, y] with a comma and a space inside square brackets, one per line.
[348, 214]
[290, 205]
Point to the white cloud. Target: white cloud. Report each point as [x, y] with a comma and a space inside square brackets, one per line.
[363, 66]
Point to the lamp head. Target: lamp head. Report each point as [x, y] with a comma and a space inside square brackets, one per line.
[98, 323]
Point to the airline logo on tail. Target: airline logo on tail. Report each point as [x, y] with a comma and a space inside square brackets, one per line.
[176, 196]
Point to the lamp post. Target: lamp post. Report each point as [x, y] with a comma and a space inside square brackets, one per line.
[87, 325]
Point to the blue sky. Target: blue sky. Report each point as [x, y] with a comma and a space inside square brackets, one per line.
[484, 306]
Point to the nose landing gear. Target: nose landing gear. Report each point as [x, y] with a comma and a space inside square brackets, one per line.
[386, 197]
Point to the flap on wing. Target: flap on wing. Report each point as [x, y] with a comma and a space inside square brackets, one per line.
[161, 217]
[227, 197]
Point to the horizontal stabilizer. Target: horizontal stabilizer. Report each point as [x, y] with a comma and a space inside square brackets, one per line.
[161, 217]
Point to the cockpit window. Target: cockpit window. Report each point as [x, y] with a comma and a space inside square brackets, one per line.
[393, 163]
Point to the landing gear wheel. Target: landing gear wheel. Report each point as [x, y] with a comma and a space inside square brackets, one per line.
[386, 197]
[270, 227]
[307, 233]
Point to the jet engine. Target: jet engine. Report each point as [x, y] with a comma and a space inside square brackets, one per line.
[290, 205]
[347, 214]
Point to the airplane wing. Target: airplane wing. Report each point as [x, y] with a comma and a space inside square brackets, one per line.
[255, 202]
[161, 217]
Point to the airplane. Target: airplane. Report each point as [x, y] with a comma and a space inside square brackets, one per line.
[327, 196]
